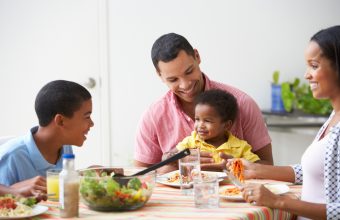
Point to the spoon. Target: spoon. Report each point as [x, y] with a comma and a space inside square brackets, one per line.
[123, 181]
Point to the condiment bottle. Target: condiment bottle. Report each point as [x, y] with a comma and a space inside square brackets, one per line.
[68, 188]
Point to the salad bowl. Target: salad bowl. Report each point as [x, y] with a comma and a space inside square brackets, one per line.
[101, 190]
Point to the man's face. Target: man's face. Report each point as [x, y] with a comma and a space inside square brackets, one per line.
[183, 76]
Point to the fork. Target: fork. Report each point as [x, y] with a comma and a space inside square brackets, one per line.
[233, 178]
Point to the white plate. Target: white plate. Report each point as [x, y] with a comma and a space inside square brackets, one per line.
[163, 179]
[262, 181]
[37, 210]
[275, 188]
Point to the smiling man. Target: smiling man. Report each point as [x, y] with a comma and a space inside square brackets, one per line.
[170, 119]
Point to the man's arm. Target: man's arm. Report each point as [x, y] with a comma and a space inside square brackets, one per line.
[141, 164]
[164, 169]
[265, 154]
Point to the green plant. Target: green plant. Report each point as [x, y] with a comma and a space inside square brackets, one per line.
[299, 96]
[308, 104]
[276, 76]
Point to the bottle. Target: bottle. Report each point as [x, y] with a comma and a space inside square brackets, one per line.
[68, 188]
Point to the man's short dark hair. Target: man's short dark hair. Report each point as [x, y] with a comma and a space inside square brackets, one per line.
[167, 47]
[223, 102]
[59, 97]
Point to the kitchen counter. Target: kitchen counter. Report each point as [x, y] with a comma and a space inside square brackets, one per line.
[294, 119]
[291, 134]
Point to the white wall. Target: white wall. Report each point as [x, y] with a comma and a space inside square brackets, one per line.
[241, 43]
[44, 40]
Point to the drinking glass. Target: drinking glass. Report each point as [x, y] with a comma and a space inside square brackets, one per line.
[206, 192]
[52, 181]
[189, 170]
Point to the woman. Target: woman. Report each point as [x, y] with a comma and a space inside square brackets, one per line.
[320, 163]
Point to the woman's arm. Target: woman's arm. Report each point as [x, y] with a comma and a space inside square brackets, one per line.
[262, 171]
[263, 197]
[301, 208]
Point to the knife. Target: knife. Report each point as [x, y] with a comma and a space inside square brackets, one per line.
[233, 178]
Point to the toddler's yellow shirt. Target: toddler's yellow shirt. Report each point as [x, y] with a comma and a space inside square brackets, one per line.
[234, 147]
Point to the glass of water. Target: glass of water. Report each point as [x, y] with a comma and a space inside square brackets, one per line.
[206, 192]
[189, 170]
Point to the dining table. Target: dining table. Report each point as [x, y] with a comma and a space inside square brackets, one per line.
[168, 202]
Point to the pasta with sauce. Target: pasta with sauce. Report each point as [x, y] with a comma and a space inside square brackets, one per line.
[10, 208]
[237, 169]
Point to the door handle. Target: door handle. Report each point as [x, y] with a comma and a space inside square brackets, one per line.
[91, 83]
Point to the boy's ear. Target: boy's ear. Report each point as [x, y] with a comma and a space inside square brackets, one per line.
[59, 120]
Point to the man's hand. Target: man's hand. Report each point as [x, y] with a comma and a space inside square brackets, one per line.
[171, 166]
[35, 187]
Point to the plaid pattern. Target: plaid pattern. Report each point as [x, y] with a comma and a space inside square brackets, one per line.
[331, 172]
[298, 173]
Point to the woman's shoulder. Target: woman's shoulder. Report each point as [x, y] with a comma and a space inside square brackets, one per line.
[336, 129]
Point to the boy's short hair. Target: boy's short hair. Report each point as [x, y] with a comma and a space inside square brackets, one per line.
[167, 47]
[223, 102]
[59, 97]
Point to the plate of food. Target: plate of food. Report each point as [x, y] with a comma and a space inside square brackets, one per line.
[231, 192]
[11, 208]
[172, 178]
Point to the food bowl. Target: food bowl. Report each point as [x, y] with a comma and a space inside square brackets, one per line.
[101, 191]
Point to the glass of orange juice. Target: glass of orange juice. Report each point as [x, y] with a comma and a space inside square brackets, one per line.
[52, 179]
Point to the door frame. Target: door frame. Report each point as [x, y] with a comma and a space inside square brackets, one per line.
[104, 83]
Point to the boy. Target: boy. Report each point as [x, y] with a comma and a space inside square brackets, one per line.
[215, 113]
[64, 112]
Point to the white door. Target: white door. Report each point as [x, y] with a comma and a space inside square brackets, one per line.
[44, 40]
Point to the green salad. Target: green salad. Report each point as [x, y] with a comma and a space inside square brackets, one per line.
[101, 192]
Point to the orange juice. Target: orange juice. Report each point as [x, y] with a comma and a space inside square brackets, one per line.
[53, 185]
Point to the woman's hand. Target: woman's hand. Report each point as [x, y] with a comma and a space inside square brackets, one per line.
[257, 194]
[250, 169]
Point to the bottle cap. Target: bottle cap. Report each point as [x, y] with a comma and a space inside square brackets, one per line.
[68, 156]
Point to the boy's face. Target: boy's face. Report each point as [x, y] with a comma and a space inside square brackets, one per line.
[209, 125]
[77, 127]
[183, 76]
